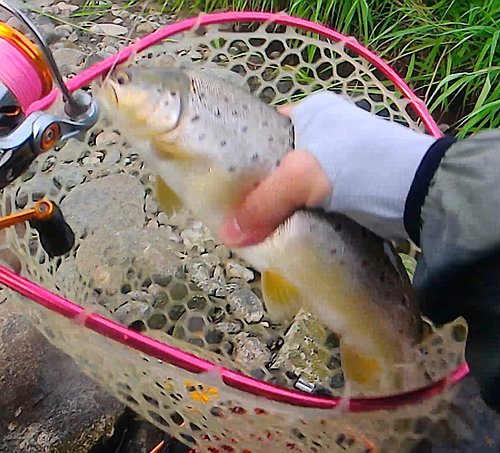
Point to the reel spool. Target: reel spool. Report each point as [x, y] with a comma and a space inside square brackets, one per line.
[204, 398]
[25, 77]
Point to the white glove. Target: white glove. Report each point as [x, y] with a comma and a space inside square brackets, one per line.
[371, 162]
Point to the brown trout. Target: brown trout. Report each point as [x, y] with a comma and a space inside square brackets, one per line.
[210, 143]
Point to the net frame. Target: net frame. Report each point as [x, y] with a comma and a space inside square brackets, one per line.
[177, 357]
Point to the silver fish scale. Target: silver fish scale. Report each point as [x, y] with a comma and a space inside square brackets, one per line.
[223, 119]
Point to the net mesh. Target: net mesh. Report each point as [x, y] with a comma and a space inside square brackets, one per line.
[167, 277]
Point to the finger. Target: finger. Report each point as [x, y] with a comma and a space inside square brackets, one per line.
[286, 109]
[296, 182]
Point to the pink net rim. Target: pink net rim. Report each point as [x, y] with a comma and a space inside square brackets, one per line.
[188, 361]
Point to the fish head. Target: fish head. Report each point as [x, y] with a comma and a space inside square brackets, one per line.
[148, 101]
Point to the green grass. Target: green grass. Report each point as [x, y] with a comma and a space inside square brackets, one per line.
[448, 50]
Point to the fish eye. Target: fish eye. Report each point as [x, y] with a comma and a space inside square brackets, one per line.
[122, 78]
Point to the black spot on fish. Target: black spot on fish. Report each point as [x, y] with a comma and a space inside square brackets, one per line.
[265, 124]
[226, 99]
[195, 118]
[217, 112]
[230, 169]
[255, 157]
[271, 139]
[342, 263]
[235, 113]
[202, 136]
[223, 143]
[382, 277]
[245, 106]
[202, 96]
[334, 251]
[173, 94]
[244, 129]
[364, 263]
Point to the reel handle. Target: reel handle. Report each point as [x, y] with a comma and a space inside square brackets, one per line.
[38, 133]
[56, 236]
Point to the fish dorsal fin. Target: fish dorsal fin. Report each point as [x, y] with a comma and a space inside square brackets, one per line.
[282, 298]
[168, 200]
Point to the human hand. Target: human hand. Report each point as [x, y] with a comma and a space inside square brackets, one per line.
[347, 160]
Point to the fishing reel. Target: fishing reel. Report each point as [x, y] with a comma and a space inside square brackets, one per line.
[28, 75]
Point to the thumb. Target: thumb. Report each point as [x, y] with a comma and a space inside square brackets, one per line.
[298, 181]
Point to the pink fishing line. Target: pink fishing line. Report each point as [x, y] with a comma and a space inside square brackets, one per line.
[19, 75]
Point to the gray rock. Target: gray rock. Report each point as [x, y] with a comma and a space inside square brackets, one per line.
[235, 269]
[145, 28]
[70, 57]
[245, 304]
[110, 50]
[14, 22]
[109, 29]
[73, 37]
[206, 272]
[39, 187]
[48, 32]
[106, 256]
[132, 311]
[63, 6]
[112, 203]
[63, 31]
[250, 351]
[304, 352]
[48, 405]
[68, 176]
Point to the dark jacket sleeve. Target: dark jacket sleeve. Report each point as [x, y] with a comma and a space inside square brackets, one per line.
[453, 214]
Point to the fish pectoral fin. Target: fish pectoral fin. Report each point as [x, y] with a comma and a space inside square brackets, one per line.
[360, 368]
[282, 298]
[168, 200]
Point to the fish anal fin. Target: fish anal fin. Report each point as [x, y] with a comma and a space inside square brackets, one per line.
[282, 298]
[359, 368]
[168, 200]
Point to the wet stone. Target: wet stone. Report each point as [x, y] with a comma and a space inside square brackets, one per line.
[250, 351]
[113, 203]
[109, 29]
[230, 327]
[235, 269]
[48, 404]
[303, 352]
[245, 304]
[132, 311]
[207, 273]
[106, 257]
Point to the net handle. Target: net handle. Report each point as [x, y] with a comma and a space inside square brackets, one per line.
[175, 356]
[102, 67]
